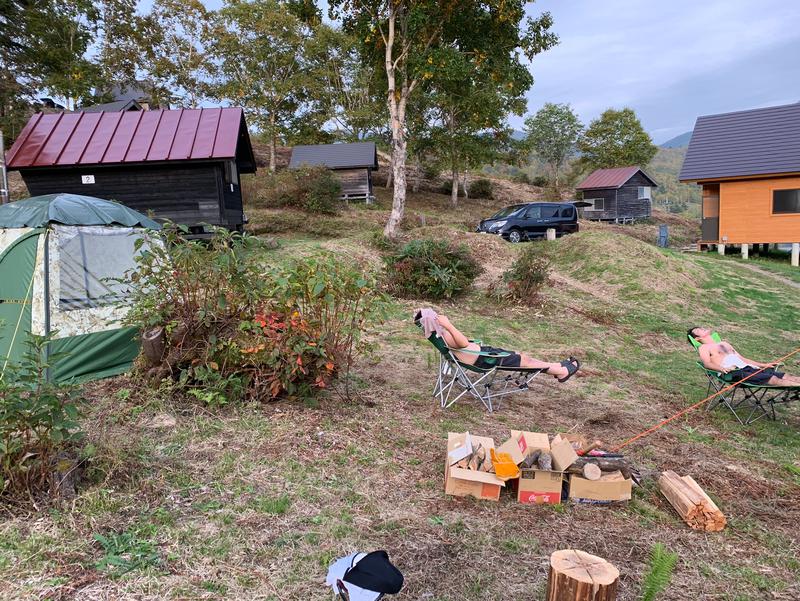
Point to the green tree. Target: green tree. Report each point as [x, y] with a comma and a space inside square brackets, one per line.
[616, 139]
[405, 36]
[261, 49]
[553, 134]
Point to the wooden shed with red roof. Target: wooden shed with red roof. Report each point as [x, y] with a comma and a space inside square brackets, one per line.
[623, 194]
[182, 165]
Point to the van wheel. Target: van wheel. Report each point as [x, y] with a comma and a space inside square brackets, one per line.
[515, 236]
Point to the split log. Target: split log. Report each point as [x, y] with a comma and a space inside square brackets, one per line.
[545, 461]
[691, 502]
[606, 464]
[531, 459]
[487, 465]
[477, 458]
[591, 471]
[578, 576]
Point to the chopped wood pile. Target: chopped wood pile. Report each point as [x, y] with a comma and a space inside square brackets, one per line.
[691, 502]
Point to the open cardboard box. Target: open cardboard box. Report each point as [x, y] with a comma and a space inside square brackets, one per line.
[469, 483]
[608, 489]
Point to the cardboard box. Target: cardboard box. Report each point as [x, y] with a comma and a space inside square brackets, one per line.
[608, 489]
[563, 453]
[521, 444]
[539, 486]
[462, 483]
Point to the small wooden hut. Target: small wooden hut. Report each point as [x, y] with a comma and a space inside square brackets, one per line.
[182, 165]
[352, 163]
[623, 194]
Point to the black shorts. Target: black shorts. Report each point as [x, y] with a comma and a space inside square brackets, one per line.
[513, 360]
[760, 379]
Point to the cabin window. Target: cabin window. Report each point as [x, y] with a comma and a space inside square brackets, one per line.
[91, 260]
[598, 204]
[786, 201]
[231, 173]
[644, 193]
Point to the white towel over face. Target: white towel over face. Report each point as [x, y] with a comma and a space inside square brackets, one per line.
[430, 322]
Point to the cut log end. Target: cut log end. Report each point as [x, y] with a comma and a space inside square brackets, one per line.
[579, 576]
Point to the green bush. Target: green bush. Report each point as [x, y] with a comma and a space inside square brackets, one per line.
[431, 269]
[520, 177]
[481, 188]
[430, 171]
[523, 281]
[447, 188]
[311, 189]
[236, 325]
[540, 181]
[38, 420]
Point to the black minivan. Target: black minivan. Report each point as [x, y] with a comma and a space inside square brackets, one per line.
[531, 220]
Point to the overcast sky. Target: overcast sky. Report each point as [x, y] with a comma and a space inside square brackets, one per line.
[669, 60]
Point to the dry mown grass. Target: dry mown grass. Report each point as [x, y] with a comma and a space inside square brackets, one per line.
[253, 502]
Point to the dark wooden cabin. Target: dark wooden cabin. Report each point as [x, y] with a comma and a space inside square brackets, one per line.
[352, 163]
[623, 194]
[182, 165]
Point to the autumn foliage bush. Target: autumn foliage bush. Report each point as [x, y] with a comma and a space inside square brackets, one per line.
[310, 189]
[236, 324]
[524, 279]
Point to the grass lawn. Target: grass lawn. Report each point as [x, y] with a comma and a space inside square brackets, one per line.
[254, 501]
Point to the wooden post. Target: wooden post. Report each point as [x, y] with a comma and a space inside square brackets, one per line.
[551, 233]
[578, 576]
[796, 254]
[745, 251]
[721, 249]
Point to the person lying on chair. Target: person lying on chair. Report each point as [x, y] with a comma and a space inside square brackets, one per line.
[722, 357]
[454, 339]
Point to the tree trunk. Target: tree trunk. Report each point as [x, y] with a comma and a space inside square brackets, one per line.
[397, 114]
[417, 177]
[578, 576]
[390, 177]
[454, 189]
[272, 151]
[464, 186]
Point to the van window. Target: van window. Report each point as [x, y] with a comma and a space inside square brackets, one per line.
[533, 213]
[549, 212]
[568, 212]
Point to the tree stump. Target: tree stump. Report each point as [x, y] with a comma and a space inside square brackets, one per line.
[578, 576]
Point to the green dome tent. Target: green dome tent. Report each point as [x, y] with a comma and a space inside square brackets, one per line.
[59, 257]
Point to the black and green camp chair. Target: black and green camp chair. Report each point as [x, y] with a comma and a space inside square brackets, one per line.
[456, 378]
[748, 402]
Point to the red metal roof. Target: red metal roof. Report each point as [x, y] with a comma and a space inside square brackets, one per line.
[61, 139]
[611, 178]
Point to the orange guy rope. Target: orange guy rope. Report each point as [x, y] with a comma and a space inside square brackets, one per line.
[696, 405]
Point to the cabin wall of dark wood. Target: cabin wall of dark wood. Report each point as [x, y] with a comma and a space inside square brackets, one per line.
[609, 206]
[629, 205]
[188, 194]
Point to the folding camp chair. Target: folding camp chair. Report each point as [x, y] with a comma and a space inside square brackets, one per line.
[456, 378]
[755, 400]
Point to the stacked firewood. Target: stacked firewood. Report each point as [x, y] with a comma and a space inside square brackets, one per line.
[479, 460]
[691, 502]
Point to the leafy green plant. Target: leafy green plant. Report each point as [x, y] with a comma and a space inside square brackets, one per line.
[540, 180]
[659, 572]
[523, 281]
[37, 420]
[125, 552]
[235, 326]
[311, 189]
[431, 269]
[481, 188]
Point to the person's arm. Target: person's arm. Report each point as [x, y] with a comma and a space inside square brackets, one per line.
[751, 361]
[708, 362]
[459, 340]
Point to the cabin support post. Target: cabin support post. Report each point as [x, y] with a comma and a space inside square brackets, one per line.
[721, 249]
[796, 254]
[745, 251]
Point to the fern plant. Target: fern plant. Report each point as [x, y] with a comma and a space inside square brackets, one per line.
[659, 573]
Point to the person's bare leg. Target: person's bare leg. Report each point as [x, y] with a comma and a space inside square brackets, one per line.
[554, 369]
[786, 380]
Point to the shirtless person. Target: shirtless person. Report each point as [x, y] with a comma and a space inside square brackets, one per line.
[723, 358]
[456, 340]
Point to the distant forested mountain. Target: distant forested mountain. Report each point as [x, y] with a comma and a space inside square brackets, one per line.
[665, 168]
[678, 141]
